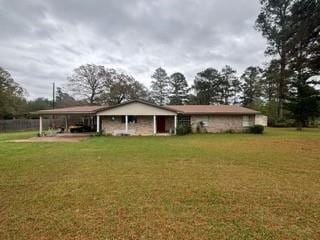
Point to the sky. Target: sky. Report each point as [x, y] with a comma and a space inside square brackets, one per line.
[42, 41]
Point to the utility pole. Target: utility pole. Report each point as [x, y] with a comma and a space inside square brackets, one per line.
[53, 100]
[53, 94]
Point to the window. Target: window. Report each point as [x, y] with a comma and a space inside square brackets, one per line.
[245, 121]
[184, 120]
[131, 119]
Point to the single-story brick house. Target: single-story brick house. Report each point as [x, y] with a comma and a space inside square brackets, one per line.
[143, 118]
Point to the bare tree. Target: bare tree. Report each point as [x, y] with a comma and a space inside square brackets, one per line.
[88, 81]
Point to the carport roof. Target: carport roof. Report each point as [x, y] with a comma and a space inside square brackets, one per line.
[88, 109]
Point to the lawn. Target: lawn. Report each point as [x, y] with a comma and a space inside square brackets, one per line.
[211, 186]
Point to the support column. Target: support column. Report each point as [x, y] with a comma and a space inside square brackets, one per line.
[40, 125]
[98, 123]
[126, 123]
[67, 124]
[175, 124]
[154, 124]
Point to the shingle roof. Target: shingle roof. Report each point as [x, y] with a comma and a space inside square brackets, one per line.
[183, 109]
[211, 109]
[89, 109]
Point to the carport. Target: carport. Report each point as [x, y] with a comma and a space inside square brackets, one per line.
[85, 113]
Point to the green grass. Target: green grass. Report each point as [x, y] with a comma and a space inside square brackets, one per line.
[212, 186]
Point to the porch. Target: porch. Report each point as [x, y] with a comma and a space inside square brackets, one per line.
[137, 124]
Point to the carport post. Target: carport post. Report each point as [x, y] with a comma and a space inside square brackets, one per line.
[67, 123]
[126, 123]
[40, 125]
[175, 124]
[98, 123]
[154, 125]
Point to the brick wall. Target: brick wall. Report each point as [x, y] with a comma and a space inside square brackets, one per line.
[144, 125]
[220, 123]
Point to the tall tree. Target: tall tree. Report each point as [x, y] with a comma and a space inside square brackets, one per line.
[274, 24]
[230, 85]
[159, 86]
[178, 89]
[304, 58]
[252, 85]
[12, 101]
[87, 81]
[269, 80]
[207, 87]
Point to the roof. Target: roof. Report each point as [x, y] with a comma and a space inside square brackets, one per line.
[139, 101]
[212, 109]
[182, 109]
[88, 109]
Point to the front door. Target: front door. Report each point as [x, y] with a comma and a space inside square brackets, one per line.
[161, 124]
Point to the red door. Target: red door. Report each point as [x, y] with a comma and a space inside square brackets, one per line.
[161, 124]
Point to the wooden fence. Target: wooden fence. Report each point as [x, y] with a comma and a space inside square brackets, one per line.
[29, 124]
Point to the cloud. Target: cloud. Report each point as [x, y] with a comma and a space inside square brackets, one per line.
[42, 41]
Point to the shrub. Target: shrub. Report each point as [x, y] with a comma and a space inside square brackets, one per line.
[229, 131]
[256, 129]
[183, 129]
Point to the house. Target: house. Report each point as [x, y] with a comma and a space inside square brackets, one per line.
[143, 118]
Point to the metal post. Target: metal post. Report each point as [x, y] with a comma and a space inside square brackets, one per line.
[154, 125]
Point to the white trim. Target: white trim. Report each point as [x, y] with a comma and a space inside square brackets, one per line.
[175, 124]
[40, 125]
[126, 123]
[98, 123]
[154, 125]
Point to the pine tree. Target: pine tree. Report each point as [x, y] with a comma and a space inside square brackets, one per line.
[159, 86]
[178, 89]
[230, 85]
[252, 85]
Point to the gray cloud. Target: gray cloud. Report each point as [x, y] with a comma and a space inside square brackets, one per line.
[42, 41]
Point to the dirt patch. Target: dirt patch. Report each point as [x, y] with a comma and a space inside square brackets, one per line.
[51, 139]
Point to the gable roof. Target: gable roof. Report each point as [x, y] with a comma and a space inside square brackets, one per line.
[212, 109]
[138, 101]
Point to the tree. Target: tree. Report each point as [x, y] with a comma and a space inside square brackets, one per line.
[207, 87]
[304, 57]
[269, 81]
[274, 24]
[63, 99]
[252, 85]
[12, 101]
[304, 103]
[39, 104]
[230, 85]
[87, 81]
[178, 89]
[159, 86]
[123, 87]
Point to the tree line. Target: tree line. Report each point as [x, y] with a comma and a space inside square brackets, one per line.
[282, 88]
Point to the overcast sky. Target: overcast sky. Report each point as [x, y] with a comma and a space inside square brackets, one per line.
[42, 41]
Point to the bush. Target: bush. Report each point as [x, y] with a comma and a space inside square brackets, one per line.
[183, 129]
[256, 129]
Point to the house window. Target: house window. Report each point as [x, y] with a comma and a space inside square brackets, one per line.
[184, 120]
[245, 121]
[131, 119]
